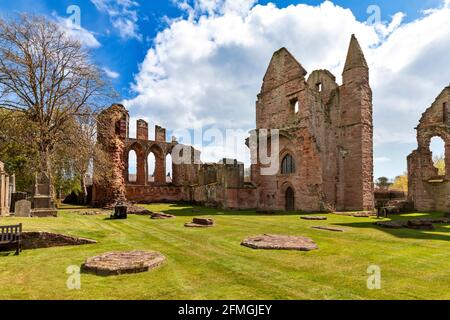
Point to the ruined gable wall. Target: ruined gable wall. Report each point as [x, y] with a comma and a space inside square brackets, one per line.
[333, 126]
[427, 190]
[316, 134]
[303, 136]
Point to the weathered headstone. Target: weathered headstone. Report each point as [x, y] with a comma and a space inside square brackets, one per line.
[16, 196]
[22, 208]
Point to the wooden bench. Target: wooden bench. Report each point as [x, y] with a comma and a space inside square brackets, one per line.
[11, 235]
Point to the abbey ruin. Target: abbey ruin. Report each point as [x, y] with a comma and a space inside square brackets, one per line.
[428, 190]
[325, 147]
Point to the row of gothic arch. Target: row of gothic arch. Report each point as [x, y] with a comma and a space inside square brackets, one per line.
[148, 163]
[150, 167]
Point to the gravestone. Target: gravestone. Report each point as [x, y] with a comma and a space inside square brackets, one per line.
[16, 196]
[22, 208]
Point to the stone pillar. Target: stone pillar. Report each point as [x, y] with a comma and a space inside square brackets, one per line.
[176, 170]
[141, 130]
[13, 183]
[160, 169]
[141, 172]
[447, 160]
[7, 193]
[160, 134]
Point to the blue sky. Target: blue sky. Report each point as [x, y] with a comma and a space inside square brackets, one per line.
[124, 55]
[196, 41]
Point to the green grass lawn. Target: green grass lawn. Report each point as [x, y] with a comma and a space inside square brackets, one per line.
[210, 263]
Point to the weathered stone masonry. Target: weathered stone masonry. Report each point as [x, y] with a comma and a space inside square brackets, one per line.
[426, 189]
[326, 157]
[327, 130]
[215, 184]
[114, 138]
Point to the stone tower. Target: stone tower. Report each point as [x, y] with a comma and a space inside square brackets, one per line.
[356, 132]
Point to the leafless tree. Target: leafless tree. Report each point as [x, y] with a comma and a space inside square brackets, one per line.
[48, 78]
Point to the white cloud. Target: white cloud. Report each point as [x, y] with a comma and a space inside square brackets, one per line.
[215, 7]
[381, 159]
[123, 16]
[207, 69]
[111, 74]
[77, 32]
[386, 29]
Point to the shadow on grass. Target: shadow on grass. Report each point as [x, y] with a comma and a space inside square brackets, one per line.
[66, 207]
[406, 233]
[7, 253]
[187, 210]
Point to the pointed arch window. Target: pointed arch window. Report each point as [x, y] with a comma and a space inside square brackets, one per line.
[288, 165]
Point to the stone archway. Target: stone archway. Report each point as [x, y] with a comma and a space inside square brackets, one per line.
[425, 137]
[289, 199]
[139, 164]
[160, 164]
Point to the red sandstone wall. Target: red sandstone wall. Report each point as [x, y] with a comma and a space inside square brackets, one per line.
[150, 194]
[330, 136]
[426, 189]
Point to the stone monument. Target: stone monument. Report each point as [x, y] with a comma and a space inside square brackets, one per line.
[43, 205]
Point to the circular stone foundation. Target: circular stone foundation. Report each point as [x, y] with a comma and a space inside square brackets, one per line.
[116, 263]
[280, 242]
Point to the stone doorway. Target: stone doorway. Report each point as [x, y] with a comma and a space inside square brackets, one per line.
[289, 199]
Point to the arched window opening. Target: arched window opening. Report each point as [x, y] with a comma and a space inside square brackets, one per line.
[132, 166]
[288, 165]
[151, 161]
[168, 168]
[437, 148]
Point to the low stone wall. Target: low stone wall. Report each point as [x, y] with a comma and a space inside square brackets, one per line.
[36, 240]
[149, 194]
